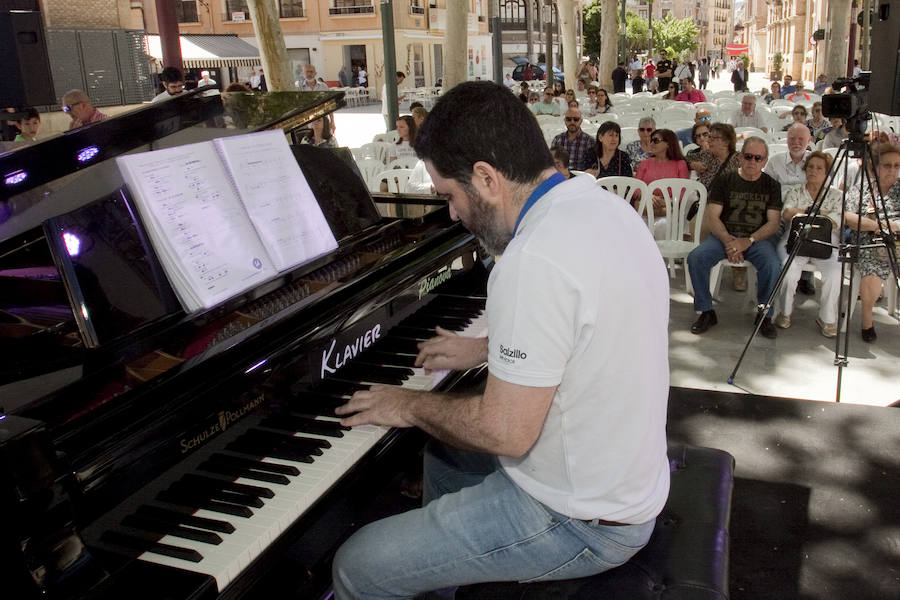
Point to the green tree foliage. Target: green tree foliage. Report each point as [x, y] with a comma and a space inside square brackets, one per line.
[678, 36]
[637, 34]
[591, 28]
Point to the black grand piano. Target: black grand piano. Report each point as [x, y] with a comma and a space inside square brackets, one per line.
[150, 453]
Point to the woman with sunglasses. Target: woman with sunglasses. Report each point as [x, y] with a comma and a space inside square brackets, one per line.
[641, 148]
[701, 159]
[798, 114]
[797, 200]
[672, 91]
[666, 162]
[873, 262]
[610, 160]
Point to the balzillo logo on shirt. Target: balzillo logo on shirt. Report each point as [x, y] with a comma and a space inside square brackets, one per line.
[510, 355]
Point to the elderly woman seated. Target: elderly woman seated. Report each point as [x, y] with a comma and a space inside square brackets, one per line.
[873, 262]
[797, 201]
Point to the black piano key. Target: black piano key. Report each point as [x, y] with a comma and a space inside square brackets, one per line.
[313, 446]
[152, 525]
[234, 471]
[221, 495]
[302, 423]
[203, 482]
[172, 516]
[135, 543]
[198, 502]
[339, 388]
[261, 449]
[315, 404]
[256, 465]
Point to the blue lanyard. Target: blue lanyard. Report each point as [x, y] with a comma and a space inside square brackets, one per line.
[546, 185]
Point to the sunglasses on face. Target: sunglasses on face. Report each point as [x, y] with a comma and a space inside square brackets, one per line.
[756, 157]
[572, 119]
[704, 118]
[69, 108]
[704, 134]
[656, 140]
[648, 129]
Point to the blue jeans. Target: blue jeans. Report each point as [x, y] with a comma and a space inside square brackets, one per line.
[476, 526]
[704, 257]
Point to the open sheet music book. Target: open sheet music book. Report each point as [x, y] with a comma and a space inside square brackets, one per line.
[226, 215]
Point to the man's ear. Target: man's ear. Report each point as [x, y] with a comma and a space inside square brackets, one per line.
[487, 180]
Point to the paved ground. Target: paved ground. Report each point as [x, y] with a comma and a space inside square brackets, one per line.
[799, 364]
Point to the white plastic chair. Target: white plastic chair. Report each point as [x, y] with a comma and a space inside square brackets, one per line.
[369, 168]
[627, 187]
[376, 150]
[396, 179]
[777, 149]
[403, 162]
[750, 131]
[715, 282]
[689, 147]
[678, 195]
[629, 134]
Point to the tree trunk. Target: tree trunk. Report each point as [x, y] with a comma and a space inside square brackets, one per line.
[457, 44]
[567, 24]
[836, 30]
[608, 31]
[272, 51]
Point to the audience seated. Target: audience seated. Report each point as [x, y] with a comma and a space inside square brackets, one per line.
[747, 115]
[666, 162]
[610, 159]
[873, 262]
[685, 136]
[546, 106]
[797, 201]
[577, 143]
[561, 161]
[689, 93]
[28, 126]
[818, 124]
[701, 160]
[404, 146]
[640, 149]
[798, 113]
[775, 94]
[672, 92]
[78, 106]
[837, 134]
[743, 214]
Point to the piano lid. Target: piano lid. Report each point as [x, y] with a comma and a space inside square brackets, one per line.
[59, 174]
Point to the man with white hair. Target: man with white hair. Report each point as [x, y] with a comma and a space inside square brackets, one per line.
[309, 83]
[787, 170]
[747, 115]
[77, 105]
[205, 79]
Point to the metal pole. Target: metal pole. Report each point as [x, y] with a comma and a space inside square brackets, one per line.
[623, 56]
[390, 61]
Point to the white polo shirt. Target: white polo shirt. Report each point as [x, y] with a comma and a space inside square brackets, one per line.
[580, 300]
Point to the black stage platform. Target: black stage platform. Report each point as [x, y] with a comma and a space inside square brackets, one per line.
[816, 505]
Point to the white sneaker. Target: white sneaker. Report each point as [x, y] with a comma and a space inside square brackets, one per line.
[783, 321]
[829, 330]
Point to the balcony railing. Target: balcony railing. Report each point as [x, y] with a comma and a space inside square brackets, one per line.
[352, 10]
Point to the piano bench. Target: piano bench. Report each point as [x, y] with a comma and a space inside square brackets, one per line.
[686, 557]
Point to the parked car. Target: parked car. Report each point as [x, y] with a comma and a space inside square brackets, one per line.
[537, 70]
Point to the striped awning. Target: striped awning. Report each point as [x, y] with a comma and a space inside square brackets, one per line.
[199, 51]
[737, 49]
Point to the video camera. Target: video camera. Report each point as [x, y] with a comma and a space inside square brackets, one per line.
[853, 105]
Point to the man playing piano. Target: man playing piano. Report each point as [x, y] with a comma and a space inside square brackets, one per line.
[558, 470]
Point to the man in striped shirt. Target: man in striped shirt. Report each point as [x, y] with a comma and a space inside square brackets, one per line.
[577, 143]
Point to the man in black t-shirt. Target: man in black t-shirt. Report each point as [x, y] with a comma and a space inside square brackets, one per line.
[664, 71]
[619, 76]
[743, 214]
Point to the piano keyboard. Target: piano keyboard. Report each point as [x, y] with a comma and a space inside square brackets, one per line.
[224, 505]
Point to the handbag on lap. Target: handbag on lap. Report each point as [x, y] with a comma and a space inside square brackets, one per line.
[820, 231]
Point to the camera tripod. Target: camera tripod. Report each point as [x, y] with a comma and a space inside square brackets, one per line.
[848, 253]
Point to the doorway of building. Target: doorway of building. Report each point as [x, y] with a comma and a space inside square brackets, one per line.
[354, 60]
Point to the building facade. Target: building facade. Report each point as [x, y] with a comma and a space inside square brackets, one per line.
[524, 27]
[714, 19]
[330, 34]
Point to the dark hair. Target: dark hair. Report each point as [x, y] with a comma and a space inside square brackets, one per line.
[236, 86]
[171, 75]
[561, 154]
[413, 105]
[481, 121]
[30, 113]
[727, 132]
[411, 125]
[605, 127]
[401, 74]
[673, 148]
[694, 130]
[608, 103]
[326, 127]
